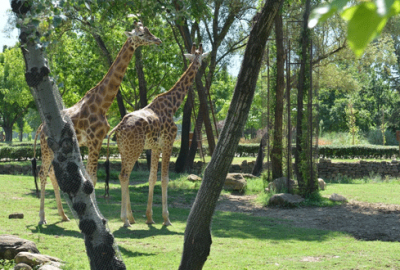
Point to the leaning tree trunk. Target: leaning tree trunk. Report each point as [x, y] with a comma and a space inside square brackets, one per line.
[68, 166]
[276, 152]
[197, 239]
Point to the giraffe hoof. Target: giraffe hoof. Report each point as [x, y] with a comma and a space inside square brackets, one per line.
[42, 222]
[150, 222]
[127, 225]
[65, 219]
[167, 223]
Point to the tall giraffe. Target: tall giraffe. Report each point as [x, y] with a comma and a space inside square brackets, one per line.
[89, 115]
[152, 128]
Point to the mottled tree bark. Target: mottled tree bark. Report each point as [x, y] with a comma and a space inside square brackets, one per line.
[68, 167]
[197, 240]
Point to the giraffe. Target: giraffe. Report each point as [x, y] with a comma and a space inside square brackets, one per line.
[89, 115]
[152, 128]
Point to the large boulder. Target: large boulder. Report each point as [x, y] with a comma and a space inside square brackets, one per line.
[33, 259]
[285, 199]
[280, 184]
[22, 266]
[11, 245]
[337, 198]
[235, 182]
[194, 178]
[321, 184]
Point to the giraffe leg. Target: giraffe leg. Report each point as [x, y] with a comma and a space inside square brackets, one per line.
[127, 163]
[155, 154]
[166, 154]
[93, 158]
[43, 179]
[57, 195]
[47, 157]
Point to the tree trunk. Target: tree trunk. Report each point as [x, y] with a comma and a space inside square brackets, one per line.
[197, 239]
[181, 162]
[276, 152]
[258, 166]
[302, 169]
[9, 132]
[183, 153]
[68, 165]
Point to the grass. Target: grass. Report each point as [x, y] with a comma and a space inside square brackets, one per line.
[373, 189]
[240, 241]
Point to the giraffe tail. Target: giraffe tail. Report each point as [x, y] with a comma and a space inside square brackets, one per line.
[33, 161]
[107, 164]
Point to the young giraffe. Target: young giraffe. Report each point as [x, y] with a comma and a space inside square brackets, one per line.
[89, 115]
[152, 128]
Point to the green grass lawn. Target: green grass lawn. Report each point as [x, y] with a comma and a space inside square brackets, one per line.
[372, 191]
[240, 241]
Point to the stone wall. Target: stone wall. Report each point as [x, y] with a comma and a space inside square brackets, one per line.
[329, 170]
[326, 168]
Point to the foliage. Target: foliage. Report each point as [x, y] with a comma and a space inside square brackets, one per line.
[374, 136]
[15, 97]
[365, 20]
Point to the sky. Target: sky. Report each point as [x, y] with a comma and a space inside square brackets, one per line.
[4, 40]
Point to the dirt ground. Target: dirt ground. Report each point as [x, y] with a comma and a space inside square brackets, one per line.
[365, 221]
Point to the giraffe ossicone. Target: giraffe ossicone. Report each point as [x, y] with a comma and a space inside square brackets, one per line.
[89, 116]
[152, 128]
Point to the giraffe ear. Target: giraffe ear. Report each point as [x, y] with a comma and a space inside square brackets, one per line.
[189, 56]
[204, 55]
[128, 34]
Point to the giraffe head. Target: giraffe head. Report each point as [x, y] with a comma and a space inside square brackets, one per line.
[141, 36]
[196, 56]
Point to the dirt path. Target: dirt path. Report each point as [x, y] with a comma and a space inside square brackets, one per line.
[366, 221]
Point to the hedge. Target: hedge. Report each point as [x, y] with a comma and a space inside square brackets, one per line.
[25, 152]
[358, 151]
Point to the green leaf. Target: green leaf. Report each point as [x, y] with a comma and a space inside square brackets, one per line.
[364, 24]
[324, 11]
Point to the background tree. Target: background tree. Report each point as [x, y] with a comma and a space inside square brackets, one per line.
[15, 98]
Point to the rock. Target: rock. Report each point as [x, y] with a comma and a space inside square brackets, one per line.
[11, 245]
[22, 266]
[235, 182]
[34, 259]
[337, 198]
[51, 266]
[284, 199]
[321, 184]
[193, 178]
[16, 216]
[248, 175]
[280, 184]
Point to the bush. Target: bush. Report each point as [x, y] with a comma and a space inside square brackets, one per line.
[375, 137]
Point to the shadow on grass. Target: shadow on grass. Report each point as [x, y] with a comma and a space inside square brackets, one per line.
[140, 234]
[54, 229]
[129, 254]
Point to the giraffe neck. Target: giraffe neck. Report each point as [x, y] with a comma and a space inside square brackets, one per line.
[171, 100]
[105, 91]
